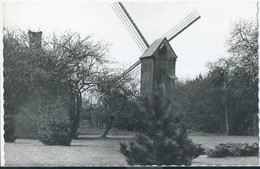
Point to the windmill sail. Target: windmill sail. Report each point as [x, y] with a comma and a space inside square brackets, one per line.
[139, 38]
[135, 66]
[182, 25]
[130, 25]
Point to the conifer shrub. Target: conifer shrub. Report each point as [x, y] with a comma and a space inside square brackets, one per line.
[233, 150]
[162, 139]
[54, 126]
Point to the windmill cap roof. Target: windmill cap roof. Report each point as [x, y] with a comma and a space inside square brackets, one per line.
[153, 47]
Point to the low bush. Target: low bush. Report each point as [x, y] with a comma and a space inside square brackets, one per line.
[198, 150]
[54, 127]
[55, 133]
[233, 150]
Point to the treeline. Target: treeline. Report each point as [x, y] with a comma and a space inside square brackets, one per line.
[49, 81]
[224, 100]
[40, 72]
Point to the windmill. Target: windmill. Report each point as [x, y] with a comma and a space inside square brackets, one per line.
[158, 59]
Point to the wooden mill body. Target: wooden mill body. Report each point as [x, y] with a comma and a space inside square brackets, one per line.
[158, 66]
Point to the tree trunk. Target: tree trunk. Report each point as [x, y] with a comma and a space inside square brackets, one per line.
[108, 126]
[72, 112]
[75, 120]
[255, 124]
[226, 118]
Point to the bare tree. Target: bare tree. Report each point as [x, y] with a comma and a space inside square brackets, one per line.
[78, 64]
[113, 97]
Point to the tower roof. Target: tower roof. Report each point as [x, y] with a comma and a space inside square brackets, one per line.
[150, 51]
[154, 47]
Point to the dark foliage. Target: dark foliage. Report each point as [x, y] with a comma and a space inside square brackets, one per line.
[162, 139]
[16, 83]
[55, 127]
[66, 66]
[225, 100]
[55, 133]
[9, 129]
[199, 150]
[199, 103]
[234, 150]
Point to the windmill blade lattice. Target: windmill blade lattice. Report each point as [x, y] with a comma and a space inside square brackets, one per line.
[130, 25]
[124, 16]
[135, 72]
[131, 71]
[182, 25]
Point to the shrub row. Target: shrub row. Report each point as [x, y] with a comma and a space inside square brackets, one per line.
[233, 150]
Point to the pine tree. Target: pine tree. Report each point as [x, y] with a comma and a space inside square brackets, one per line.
[162, 139]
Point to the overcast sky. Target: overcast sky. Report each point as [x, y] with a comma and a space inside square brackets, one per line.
[202, 42]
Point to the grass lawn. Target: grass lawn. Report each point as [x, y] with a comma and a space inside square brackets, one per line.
[82, 152]
[92, 150]
[229, 161]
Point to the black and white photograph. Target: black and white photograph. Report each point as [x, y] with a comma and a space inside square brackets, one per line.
[129, 83]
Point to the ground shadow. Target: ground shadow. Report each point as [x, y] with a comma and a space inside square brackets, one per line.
[90, 137]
